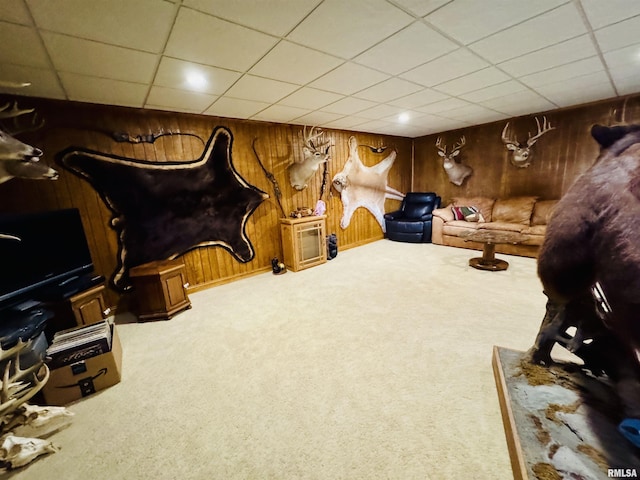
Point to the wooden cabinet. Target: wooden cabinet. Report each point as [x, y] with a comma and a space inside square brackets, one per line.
[303, 242]
[160, 288]
[82, 308]
[89, 306]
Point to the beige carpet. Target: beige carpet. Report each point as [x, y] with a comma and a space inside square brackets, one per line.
[376, 365]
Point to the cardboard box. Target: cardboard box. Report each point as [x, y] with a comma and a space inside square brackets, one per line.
[86, 377]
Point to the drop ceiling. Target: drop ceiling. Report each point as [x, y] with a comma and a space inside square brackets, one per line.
[399, 67]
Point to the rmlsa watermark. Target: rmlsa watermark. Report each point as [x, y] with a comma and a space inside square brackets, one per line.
[622, 473]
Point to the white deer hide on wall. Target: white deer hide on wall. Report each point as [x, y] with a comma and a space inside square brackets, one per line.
[362, 186]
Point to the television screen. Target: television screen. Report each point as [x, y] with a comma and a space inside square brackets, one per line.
[39, 249]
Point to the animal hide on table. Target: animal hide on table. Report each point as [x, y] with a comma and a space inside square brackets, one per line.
[163, 210]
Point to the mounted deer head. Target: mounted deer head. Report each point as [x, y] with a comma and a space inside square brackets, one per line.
[456, 171]
[313, 156]
[18, 159]
[521, 154]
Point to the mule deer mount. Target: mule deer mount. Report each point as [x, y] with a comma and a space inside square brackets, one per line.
[315, 152]
[520, 153]
[18, 159]
[456, 170]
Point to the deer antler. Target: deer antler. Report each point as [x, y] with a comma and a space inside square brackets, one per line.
[546, 126]
[14, 112]
[458, 146]
[310, 137]
[6, 112]
[440, 147]
[505, 139]
[18, 385]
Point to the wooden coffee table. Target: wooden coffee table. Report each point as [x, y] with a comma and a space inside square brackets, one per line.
[490, 238]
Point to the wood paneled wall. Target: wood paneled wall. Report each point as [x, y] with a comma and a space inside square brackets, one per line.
[90, 126]
[559, 156]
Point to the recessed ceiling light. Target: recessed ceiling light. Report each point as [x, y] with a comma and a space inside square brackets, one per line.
[403, 117]
[196, 80]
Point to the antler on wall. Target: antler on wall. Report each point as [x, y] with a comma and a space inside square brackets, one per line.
[313, 156]
[521, 154]
[18, 159]
[456, 171]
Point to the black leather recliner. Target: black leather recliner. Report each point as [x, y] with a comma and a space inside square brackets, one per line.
[412, 223]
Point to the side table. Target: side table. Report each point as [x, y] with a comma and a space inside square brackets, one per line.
[160, 288]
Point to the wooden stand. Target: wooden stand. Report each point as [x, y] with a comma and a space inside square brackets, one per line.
[89, 306]
[160, 288]
[488, 261]
[303, 241]
[83, 308]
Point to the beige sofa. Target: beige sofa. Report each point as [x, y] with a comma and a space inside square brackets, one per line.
[526, 215]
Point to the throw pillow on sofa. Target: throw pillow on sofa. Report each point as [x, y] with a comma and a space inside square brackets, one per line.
[484, 204]
[469, 214]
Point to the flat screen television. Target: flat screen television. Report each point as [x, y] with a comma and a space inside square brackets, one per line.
[41, 249]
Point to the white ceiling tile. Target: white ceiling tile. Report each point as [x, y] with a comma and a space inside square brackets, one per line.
[348, 106]
[104, 91]
[388, 90]
[542, 31]
[201, 38]
[20, 45]
[579, 90]
[380, 111]
[260, 89]
[421, 7]
[494, 91]
[453, 65]
[173, 73]
[443, 124]
[519, 103]
[44, 83]
[605, 13]
[418, 44]
[235, 108]
[311, 98]
[375, 126]
[626, 79]
[346, 122]
[564, 72]
[348, 28]
[473, 113]
[409, 54]
[180, 99]
[471, 20]
[276, 17]
[624, 56]
[474, 81]
[348, 78]
[288, 62]
[76, 55]
[143, 24]
[443, 105]
[14, 11]
[317, 118]
[553, 56]
[422, 120]
[619, 35]
[418, 99]
[401, 130]
[280, 113]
